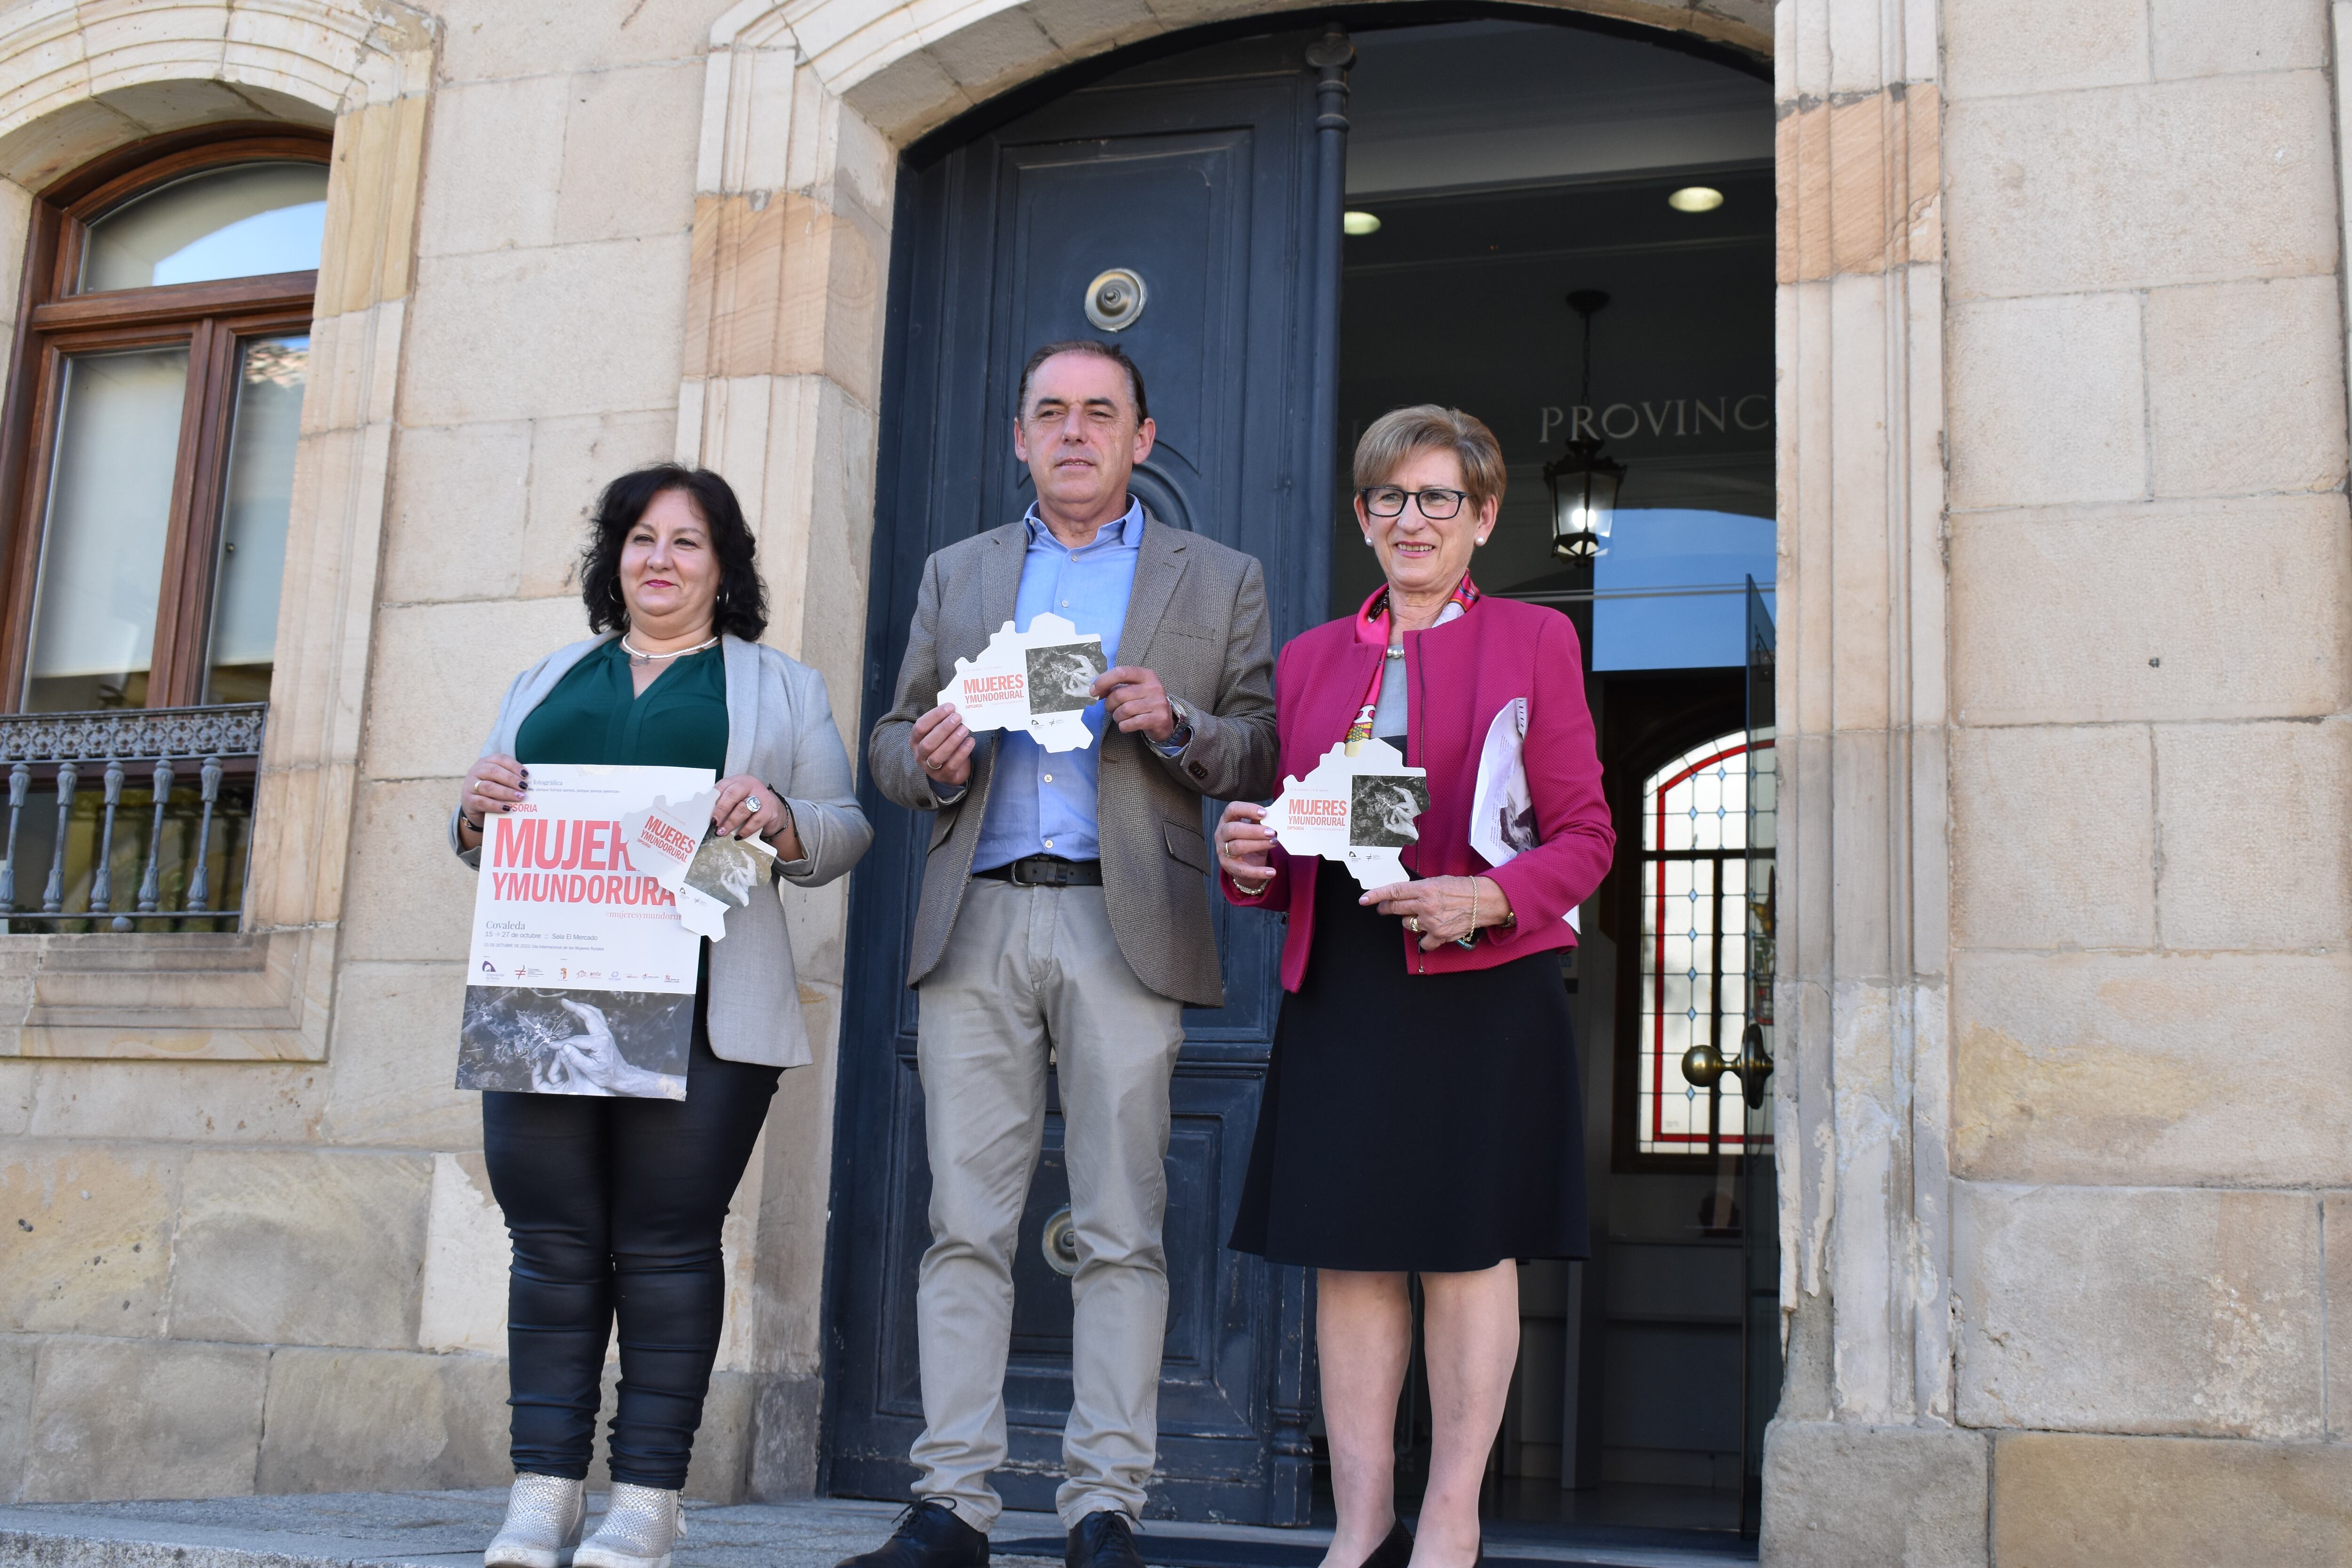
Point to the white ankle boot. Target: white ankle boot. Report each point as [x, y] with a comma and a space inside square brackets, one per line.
[641, 1527]
[543, 1515]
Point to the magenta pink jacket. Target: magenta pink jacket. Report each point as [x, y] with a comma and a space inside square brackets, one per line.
[1460, 676]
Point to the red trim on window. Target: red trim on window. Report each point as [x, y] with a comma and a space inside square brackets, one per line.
[1656, 870]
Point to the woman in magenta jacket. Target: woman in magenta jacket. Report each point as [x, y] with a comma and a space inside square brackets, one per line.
[1421, 1113]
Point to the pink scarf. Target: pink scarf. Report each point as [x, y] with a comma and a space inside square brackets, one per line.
[1372, 626]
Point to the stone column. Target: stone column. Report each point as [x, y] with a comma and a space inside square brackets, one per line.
[782, 382]
[1862, 1464]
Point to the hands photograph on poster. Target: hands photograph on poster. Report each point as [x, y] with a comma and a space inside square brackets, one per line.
[526, 1040]
[1062, 676]
[1381, 809]
[724, 874]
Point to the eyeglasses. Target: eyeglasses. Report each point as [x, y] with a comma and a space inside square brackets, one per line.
[1387, 500]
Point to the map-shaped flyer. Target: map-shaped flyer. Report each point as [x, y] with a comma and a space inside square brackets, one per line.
[1357, 809]
[1041, 680]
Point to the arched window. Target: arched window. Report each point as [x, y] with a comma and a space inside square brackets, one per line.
[161, 393]
[146, 475]
[1695, 970]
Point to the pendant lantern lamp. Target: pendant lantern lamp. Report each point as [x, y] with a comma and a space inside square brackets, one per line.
[1583, 479]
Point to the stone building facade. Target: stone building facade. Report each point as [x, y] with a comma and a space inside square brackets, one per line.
[2064, 668]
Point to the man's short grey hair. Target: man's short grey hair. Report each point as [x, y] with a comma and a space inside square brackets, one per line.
[1110, 352]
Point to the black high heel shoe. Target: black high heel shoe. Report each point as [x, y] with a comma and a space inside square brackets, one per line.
[1395, 1550]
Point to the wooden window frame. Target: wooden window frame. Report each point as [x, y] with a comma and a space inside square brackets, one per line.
[210, 318]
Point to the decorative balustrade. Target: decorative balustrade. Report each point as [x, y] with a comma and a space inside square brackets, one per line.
[195, 768]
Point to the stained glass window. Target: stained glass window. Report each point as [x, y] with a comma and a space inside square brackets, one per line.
[1697, 984]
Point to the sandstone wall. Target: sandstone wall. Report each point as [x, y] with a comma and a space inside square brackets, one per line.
[2124, 1270]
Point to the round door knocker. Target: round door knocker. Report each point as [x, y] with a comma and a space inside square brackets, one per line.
[1060, 1242]
[1115, 299]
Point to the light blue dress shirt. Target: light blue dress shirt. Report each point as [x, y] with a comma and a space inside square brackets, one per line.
[1042, 801]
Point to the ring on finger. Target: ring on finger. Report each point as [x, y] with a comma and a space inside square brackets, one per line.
[1412, 923]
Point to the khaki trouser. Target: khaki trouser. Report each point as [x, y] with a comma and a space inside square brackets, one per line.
[1025, 967]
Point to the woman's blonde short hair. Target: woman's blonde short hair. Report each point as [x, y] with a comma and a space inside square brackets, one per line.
[1397, 435]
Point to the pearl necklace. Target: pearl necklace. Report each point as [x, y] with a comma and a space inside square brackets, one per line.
[637, 655]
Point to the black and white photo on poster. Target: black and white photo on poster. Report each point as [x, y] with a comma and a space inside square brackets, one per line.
[533, 1040]
[724, 875]
[1062, 676]
[727, 869]
[1380, 809]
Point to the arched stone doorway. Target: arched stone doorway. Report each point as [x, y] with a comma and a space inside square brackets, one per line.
[805, 115]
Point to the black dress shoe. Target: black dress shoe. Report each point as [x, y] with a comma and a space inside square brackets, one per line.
[1102, 1539]
[930, 1535]
[1395, 1550]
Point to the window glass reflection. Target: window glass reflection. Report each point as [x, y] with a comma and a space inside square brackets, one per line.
[1671, 590]
[257, 496]
[244, 221]
[108, 516]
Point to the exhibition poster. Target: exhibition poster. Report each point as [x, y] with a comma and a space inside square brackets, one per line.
[581, 977]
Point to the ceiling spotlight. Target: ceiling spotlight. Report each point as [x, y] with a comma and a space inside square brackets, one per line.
[1365, 223]
[1695, 199]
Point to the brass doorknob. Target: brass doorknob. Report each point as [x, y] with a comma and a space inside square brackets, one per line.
[1702, 1064]
[1754, 1065]
[1060, 1242]
[1115, 299]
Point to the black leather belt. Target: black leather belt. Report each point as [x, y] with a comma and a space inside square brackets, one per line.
[1046, 871]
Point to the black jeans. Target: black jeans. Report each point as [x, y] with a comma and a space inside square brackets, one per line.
[614, 1207]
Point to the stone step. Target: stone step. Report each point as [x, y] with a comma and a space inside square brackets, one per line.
[446, 1529]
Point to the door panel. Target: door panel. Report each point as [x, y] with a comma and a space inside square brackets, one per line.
[1197, 174]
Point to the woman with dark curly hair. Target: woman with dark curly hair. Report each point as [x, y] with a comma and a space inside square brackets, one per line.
[615, 1204]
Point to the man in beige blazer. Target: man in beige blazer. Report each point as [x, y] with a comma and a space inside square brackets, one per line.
[1065, 907]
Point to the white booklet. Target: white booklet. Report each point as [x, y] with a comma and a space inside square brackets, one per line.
[1501, 809]
[1503, 814]
[1357, 805]
[580, 976]
[1041, 680]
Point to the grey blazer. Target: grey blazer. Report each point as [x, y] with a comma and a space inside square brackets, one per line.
[779, 728]
[1197, 619]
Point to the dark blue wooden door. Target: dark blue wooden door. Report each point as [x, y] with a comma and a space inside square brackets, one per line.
[1200, 173]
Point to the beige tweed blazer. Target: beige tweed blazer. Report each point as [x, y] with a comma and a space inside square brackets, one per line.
[1197, 619]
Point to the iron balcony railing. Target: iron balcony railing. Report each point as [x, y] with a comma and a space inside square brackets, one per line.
[159, 800]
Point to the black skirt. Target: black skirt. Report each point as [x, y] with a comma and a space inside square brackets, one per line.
[1427, 1122]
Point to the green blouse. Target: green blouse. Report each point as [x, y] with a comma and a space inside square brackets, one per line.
[595, 715]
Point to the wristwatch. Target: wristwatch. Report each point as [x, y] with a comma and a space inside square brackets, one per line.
[1182, 735]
